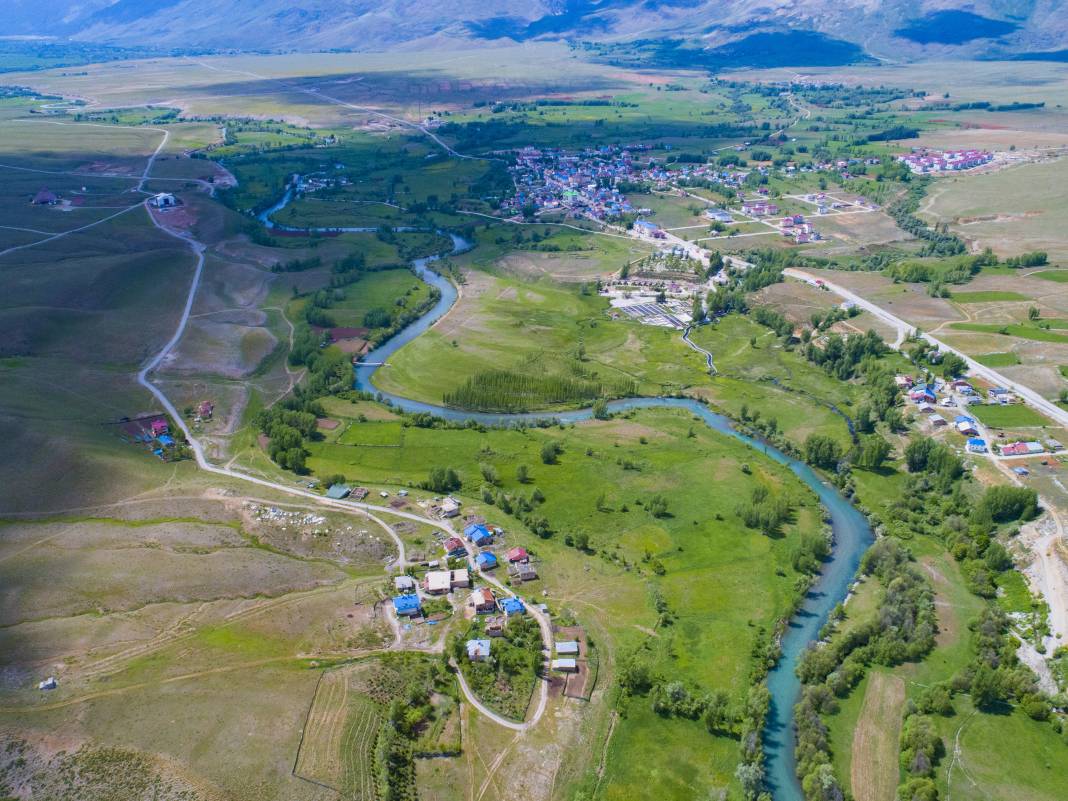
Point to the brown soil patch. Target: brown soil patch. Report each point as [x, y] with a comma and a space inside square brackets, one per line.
[327, 424]
[874, 769]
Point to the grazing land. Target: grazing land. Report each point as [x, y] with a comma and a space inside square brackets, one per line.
[205, 529]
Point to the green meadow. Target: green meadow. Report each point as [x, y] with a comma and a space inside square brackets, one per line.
[1016, 415]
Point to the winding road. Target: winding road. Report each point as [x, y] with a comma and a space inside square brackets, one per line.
[368, 510]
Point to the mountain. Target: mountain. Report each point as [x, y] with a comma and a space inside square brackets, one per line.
[741, 30]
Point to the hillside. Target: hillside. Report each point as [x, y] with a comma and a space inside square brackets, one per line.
[895, 30]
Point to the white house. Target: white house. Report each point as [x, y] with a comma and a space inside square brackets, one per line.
[450, 507]
[164, 200]
[438, 582]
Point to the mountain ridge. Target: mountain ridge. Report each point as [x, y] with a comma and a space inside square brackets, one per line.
[896, 30]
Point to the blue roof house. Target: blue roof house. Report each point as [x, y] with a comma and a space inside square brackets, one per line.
[512, 606]
[478, 534]
[486, 561]
[164, 439]
[407, 605]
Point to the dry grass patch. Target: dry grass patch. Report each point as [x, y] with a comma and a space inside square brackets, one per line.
[875, 739]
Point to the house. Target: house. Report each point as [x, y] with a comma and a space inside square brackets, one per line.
[999, 395]
[524, 571]
[459, 578]
[512, 606]
[719, 215]
[164, 200]
[976, 445]
[437, 582]
[205, 410]
[165, 439]
[482, 599]
[495, 626]
[45, 197]
[922, 393]
[450, 507]
[648, 228]
[48, 684]
[486, 561]
[569, 647]
[565, 665]
[404, 584]
[965, 424]
[478, 534]
[338, 491]
[936, 420]
[454, 546]
[407, 605]
[159, 426]
[478, 650]
[518, 555]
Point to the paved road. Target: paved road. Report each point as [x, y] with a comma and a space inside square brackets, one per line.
[905, 330]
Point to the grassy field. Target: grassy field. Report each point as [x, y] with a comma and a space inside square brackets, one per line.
[1015, 416]
[1021, 330]
[498, 322]
[992, 296]
[1009, 211]
[998, 359]
[607, 472]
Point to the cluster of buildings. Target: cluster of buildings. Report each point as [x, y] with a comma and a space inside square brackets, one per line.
[153, 431]
[799, 229]
[588, 182]
[922, 160]
[760, 208]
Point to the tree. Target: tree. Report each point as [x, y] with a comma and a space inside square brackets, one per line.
[442, 479]
[984, 688]
[953, 365]
[657, 506]
[522, 474]
[332, 479]
[922, 789]
[822, 451]
[581, 540]
[751, 776]
[600, 409]
[717, 716]
[549, 452]
[489, 473]
[872, 452]
[1033, 313]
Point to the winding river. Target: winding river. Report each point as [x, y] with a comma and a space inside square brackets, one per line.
[852, 534]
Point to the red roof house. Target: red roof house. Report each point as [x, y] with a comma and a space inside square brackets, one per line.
[518, 555]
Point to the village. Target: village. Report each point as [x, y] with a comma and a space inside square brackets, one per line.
[949, 404]
[605, 185]
[463, 579]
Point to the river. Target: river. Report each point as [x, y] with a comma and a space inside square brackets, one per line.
[852, 534]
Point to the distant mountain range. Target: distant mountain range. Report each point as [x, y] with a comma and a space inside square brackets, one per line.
[719, 31]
